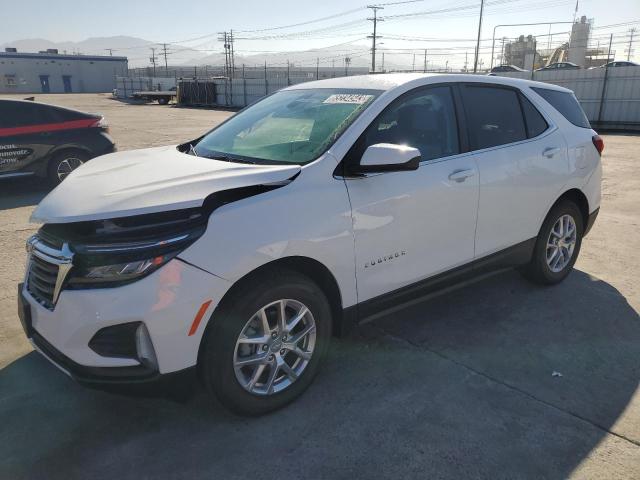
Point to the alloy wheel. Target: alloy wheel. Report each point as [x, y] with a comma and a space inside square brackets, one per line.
[274, 347]
[66, 166]
[561, 243]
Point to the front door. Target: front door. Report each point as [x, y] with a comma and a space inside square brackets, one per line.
[44, 83]
[409, 226]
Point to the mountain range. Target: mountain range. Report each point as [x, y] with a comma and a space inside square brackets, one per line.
[138, 51]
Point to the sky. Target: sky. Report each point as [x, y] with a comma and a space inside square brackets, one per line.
[183, 23]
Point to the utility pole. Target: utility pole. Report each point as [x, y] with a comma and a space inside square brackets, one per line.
[475, 62]
[631, 32]
[317, 68]
[466, 61]
[502, 52]
[425, 60]
[224, 38]
[374, 37]
[413, 68]
[233, 56]
[347, 61]
[383, 61]
[164, 52]
[153, 60]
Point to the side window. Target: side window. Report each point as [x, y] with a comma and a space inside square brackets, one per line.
[21, 114]
[536, 124]
[425, 120]
[567, 104]
[5, 112]
[493, 116]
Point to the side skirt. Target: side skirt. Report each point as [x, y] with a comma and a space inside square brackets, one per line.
[516, 255]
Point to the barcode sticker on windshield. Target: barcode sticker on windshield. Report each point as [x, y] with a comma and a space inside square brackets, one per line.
[356, 98]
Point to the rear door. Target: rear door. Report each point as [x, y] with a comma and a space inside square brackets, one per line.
[19, 147]
[522, 161]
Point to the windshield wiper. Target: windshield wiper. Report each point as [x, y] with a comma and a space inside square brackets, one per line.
[226, 158]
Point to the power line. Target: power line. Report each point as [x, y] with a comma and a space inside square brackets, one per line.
[309, 22]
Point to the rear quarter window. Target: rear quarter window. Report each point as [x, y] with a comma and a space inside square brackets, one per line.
[565, 103]
[536, 124]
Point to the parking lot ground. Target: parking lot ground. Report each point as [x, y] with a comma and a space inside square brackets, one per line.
[458, 385]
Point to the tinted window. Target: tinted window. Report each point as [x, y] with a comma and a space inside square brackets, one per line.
[567, 104]
[48, 114]
[536, 124]
[424, 119]
[493, 116]
[18, 114]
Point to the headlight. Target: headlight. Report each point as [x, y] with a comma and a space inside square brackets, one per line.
[115, 252]
[117, 273]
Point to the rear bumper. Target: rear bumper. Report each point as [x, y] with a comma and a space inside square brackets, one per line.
[591, 220]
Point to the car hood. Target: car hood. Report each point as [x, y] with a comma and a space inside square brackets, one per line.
[148, 181]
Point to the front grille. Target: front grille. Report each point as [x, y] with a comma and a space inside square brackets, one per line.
[48, 267]
[41, 281]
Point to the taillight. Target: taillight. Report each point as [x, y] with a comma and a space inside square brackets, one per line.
[598, 143]
[100, 123]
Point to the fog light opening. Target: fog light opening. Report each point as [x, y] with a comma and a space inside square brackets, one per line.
[144, 348]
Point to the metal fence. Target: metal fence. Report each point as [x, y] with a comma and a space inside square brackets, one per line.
[610, 97]
[236, 92]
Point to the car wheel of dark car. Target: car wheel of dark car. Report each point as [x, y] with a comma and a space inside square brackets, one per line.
[63, 163]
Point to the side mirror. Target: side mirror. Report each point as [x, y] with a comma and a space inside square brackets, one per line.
[389, 157]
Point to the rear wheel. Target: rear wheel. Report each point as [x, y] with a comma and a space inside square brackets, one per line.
[163, 100]
[64, 163]
[266, 343]
[557, 246]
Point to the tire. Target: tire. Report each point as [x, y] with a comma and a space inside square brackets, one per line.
[548, 272]
[64, 163]
[163, 101]
[222, 349]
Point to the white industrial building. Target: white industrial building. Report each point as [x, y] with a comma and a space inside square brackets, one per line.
[52, 72]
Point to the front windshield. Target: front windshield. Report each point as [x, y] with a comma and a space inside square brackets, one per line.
[291, 126]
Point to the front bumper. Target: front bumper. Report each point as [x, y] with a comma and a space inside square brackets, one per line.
[166, 302]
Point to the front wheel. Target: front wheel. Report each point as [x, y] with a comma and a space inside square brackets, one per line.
[63, 164]
[265, 344]
[557, 246]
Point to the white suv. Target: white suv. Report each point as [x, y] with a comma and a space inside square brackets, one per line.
[242, 252]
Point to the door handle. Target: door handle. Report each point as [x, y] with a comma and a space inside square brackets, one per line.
[461, 175]
[549, 152]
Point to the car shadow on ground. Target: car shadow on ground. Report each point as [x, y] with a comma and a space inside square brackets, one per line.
[22, 192]
[458, 386]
